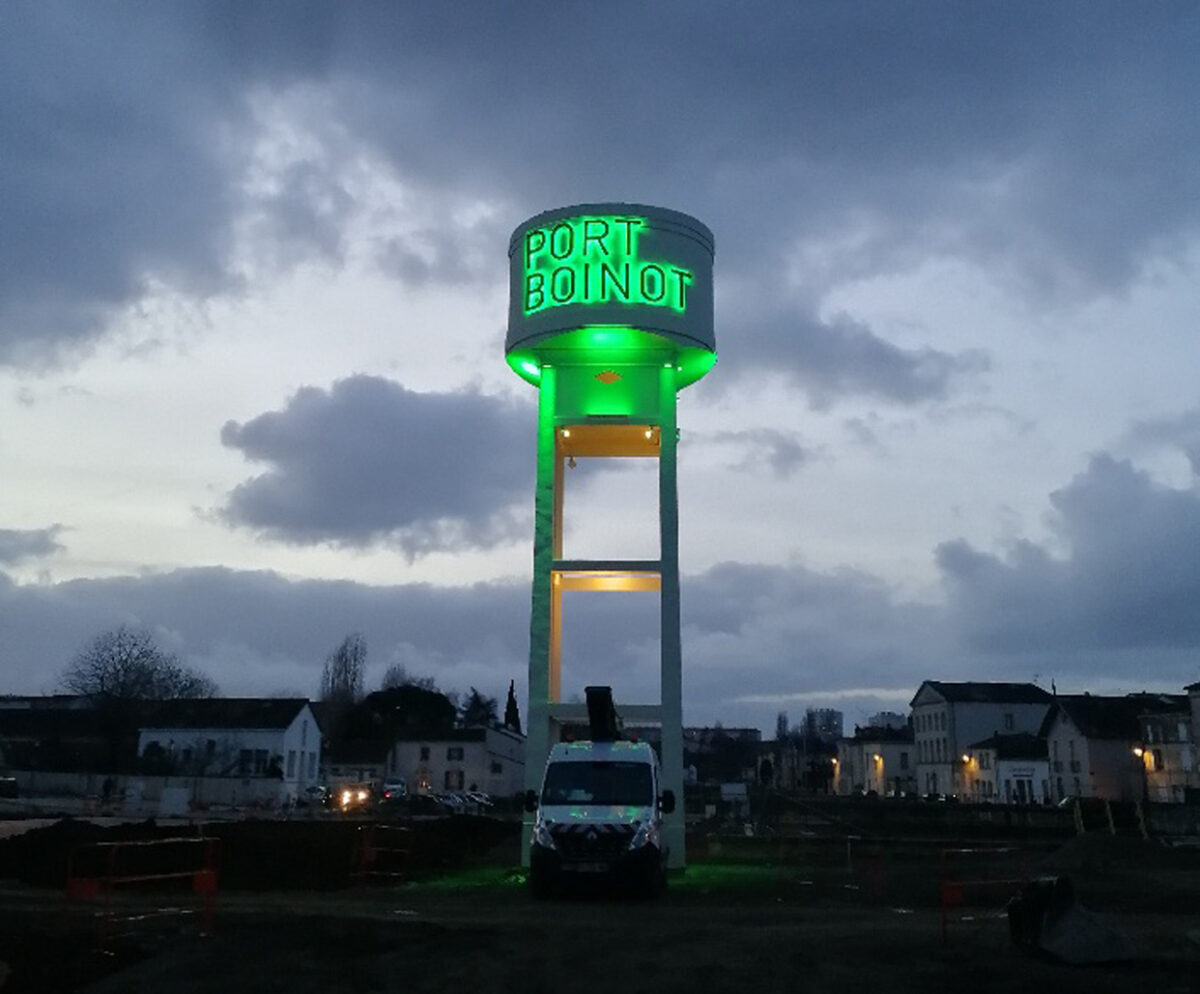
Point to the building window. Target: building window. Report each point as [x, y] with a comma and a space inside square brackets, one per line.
[904, 761]
[454, 753]
[245, 757]
[425, 753]
[1009, 723]
[291, 764]
[260, 762]
[455, 779]
[312, 766]
[497, 767]
[1158, 759]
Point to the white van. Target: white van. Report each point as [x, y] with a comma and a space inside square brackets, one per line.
[599, 816]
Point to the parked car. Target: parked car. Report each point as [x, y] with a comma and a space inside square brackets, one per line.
[314, 795]
[394, 789]
[453, 803]
[427, 805]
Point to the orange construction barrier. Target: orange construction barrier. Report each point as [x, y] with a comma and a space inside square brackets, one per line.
[96, 869]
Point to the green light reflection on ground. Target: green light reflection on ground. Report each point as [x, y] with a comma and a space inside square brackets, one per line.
[697, 876]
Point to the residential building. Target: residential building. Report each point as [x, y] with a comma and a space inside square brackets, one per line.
[1097, 743]
[488, 759]
[233, 737]
[948, 717]
[722, 755]
[824, 724]
[1007, 769]
[355, 761]
[876, 760]
[1167, 752]
[887, 719]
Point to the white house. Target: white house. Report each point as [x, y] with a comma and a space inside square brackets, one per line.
[878, 760]
[234, 737]
[481, 758]
[948, 717]
[1007, 769]
[1098, 744]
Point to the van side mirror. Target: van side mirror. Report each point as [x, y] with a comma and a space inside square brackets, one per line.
[667, 803]
[531, 800]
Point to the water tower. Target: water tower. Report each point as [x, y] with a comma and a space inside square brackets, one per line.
[610, 315]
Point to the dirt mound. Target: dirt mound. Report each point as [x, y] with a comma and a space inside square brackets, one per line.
[1101, 851]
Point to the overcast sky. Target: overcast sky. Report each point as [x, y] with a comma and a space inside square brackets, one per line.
[252, 301]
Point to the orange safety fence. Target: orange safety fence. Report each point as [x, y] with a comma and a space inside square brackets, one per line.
[96, 869]
[382, 852]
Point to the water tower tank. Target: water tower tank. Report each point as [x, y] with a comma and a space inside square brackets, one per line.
[609, 287]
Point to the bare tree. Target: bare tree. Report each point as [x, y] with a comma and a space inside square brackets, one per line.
[397, 676]
[119, 669]
[125, 665]
[342, 678]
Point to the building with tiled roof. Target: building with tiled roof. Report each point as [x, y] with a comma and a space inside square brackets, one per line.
[948, 716]
[1097, 743]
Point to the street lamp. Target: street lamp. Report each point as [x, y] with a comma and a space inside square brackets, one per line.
[1145, 758]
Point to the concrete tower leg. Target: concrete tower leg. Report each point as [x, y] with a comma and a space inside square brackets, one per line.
[537, 738]
[671, 682]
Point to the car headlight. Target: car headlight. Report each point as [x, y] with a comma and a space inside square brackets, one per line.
[641, 834]
[542, 836]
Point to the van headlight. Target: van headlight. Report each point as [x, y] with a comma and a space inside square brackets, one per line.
[542, 836]
[641, 834]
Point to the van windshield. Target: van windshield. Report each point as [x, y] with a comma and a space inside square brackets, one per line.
[598, 782]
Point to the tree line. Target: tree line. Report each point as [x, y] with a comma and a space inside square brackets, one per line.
[125, 665]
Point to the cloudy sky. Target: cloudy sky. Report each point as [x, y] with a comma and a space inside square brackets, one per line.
[252, 301]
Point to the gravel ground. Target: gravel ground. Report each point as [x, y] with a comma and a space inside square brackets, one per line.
[756, 926]
[484, 934]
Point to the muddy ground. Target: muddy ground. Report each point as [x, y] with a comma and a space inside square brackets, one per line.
[798, 917]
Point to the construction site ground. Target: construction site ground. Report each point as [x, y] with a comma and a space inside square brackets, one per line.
[836, 915]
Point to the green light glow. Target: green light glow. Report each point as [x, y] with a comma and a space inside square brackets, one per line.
[594, 260]
[602, 346]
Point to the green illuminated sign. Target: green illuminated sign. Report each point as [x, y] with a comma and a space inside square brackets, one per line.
[595, 260]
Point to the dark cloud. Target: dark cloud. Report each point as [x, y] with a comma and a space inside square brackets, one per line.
[111, 171]
[1180, 433]
[17, 546]
[369, 461]
[779, 451]
[1126, 583]
[255, 633]
[1053, 143]
[770, 632]
[836, 358]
